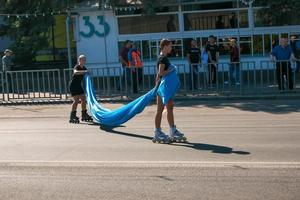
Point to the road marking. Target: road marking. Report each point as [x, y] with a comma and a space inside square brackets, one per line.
[204, 164]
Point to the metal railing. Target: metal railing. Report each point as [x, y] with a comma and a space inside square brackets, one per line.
[33, 84]
[2, 97]
[242, 78]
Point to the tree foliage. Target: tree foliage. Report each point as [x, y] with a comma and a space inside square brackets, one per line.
[279, 12]
[29, 33]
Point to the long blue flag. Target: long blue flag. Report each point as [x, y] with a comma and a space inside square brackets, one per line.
[166, 89]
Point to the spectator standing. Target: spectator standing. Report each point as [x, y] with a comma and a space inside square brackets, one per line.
[282, 54]
[7, 65]
[193, 57]
[135, 65]
[7, 61]
[212, 50]
[126, 78]
[234, 68]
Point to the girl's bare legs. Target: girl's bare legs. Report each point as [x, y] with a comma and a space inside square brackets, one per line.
[170, 114]
[83, 102]
[75, 102]
[73, 117]
[175, 135]
[84, 115]
[159, 111]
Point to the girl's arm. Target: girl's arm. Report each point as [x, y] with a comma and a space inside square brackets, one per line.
[161, 72]
[79, 72]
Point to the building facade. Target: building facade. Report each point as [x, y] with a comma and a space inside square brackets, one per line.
[100, 33]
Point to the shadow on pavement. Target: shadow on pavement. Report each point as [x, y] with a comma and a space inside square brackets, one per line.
[110, 130]
[211, 147]
[268, 106]
[197, 146]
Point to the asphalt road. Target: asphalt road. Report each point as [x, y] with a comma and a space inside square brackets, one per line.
[236, 150]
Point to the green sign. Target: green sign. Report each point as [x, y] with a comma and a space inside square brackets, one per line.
[92, 30]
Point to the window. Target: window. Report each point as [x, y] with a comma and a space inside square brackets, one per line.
[275, 40]
[145, 50]
[214, 20]
[224, 45]
[177, 51]
[258, 44]
[153, 49]
[148, 24]
[245, 45]
[186, 45]
[205, 6]
[267, 44]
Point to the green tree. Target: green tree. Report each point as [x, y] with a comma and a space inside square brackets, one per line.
[279, 12]
[29, 33]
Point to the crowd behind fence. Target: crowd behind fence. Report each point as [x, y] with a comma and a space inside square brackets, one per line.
[245, 78]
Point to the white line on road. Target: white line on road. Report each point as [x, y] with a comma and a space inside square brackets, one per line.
[27, 163]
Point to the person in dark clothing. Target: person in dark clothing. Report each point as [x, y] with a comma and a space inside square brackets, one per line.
[282, 54]
[194, 61]
[295, 44]
[234, 67]
[213, 57]
[164, 68]
[7, 65]
[77, 91]
[126, 78]
[7, 61]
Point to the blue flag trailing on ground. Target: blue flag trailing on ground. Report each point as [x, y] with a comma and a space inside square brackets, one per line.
[166, 89]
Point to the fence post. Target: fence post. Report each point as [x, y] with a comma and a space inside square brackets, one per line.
[2, 86]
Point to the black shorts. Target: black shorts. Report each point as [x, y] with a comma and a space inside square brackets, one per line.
[76, 90]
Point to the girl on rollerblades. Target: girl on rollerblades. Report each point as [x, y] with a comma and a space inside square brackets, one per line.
[164, 68]
[77, 91]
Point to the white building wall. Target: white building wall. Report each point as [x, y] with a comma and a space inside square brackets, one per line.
[99, 49]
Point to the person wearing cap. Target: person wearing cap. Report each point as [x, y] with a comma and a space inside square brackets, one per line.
[7, 60]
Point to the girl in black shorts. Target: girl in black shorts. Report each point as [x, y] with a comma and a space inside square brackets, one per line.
[164, 68]
[77, 91]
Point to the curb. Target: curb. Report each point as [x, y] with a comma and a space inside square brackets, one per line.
[178, 98]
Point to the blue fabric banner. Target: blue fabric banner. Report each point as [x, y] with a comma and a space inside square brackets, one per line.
[166, 90]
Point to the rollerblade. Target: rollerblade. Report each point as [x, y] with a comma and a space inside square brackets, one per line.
[160, 137]
[73, 118]
[177, 136]
[85, 117]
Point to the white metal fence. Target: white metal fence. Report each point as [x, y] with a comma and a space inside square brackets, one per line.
[204, 79]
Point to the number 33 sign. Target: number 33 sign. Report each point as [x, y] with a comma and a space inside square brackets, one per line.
[92, 30]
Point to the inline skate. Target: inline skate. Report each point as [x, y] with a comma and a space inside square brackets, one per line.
[73, 118]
